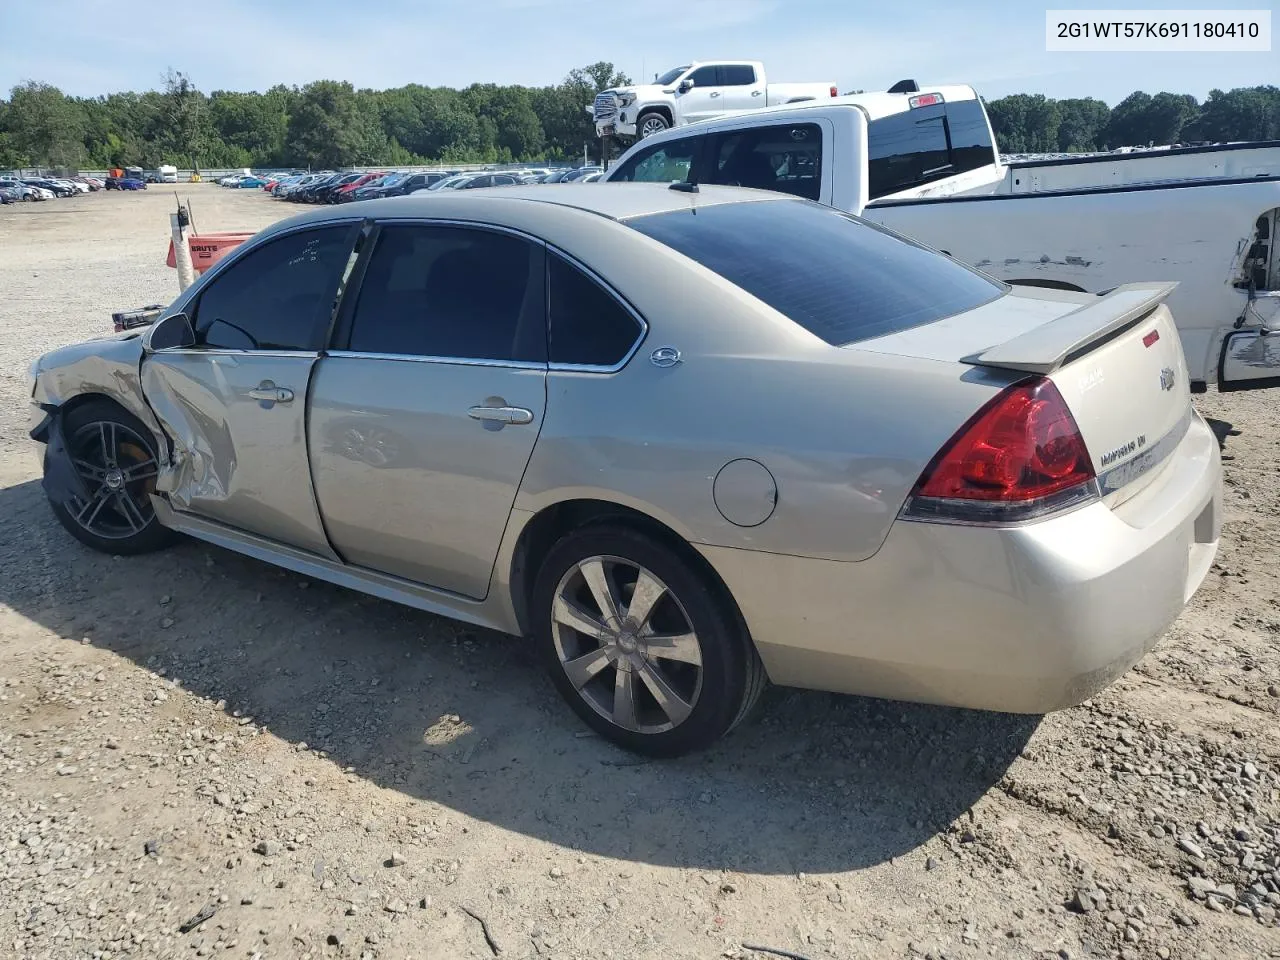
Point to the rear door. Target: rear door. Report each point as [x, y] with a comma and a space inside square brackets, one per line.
[424, 415]
[742, 87]
[234, 405]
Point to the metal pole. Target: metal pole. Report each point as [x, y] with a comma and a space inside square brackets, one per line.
[179, 232]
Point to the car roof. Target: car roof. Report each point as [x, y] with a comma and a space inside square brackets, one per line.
[618, 201]
[875, 104]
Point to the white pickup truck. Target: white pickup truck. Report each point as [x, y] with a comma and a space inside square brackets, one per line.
[695, 91]
[923, 162]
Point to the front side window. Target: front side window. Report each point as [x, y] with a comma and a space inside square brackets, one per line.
[737, 75]
[661, 163]
[588, 326]
[842, 279]
[452, 292]
[906, 150]
[706, 77]
[278, 296]
[783, 157]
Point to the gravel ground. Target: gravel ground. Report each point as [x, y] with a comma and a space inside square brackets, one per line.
[203, 755]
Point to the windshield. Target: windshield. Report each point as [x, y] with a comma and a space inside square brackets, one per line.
[842, 279]
[671, 75]
[447, 182]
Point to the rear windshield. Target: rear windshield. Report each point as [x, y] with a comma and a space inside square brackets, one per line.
[839, 277]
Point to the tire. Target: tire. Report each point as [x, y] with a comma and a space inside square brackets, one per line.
[706, 699]
[112, 526]
[651, 122]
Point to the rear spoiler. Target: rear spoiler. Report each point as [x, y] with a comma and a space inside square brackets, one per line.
[1060, 341]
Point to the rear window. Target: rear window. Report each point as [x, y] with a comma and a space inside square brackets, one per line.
[842, 279]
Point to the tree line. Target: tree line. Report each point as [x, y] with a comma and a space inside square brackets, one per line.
[330, 124]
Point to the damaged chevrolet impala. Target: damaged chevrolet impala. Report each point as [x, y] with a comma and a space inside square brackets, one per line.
[690, 440]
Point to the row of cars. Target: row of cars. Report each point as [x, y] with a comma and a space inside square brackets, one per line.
[340, 187]
[16, 189]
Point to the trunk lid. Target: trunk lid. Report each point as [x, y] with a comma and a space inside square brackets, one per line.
[1116, 360]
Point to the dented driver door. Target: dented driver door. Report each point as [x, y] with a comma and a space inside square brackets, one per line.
[234, 404]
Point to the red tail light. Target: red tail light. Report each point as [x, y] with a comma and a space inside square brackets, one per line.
[833, 91]
[1020, 456]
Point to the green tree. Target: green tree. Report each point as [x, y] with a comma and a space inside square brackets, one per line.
[326, 128]
[44, 127]
[1246, 113]
[1141, 119]
[1025, 123]
[1082, 125]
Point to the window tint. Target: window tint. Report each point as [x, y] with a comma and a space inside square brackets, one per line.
[705, 77]
[588, 325]
[840, 278]
[277, 297]
[737, 75]
[661, 163]
[906, 150]
[434, 291]
[782, 157]
[971, 145]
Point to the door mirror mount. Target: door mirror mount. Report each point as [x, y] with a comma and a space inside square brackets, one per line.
[686, 85]
[167, 333]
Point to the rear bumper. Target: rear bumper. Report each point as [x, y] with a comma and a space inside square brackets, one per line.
[1023, 619]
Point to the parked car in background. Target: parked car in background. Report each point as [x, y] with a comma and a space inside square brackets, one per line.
[577, 173]
[344, 193]
[591, 177]
[125, 183]
[402, 184]
[557, 176]
[8, 195]
[251, 183]
[696, 91]
[446, 184]
[58, 189]
[923, 161]
[975, 525]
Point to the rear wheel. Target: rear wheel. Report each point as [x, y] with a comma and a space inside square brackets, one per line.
[114, 456]
[647, 651]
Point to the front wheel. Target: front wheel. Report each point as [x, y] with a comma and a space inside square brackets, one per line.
[651, 123]
[114, 457]
[646, 649]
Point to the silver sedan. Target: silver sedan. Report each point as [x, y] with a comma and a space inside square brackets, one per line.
[688, 440]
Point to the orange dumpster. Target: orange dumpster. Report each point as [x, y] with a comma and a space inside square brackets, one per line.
[208, 248]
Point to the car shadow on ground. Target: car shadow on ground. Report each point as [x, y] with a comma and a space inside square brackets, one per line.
[464, 717]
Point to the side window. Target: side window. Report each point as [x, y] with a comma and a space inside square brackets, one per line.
[737, 75]
[971, 145]
[587, 324]
[503, 181]
[453, 292]
[782, 157]
[906, 150]
[277, 297]
[661, 163]
[705, 77]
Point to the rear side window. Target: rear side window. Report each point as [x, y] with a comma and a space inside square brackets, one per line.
[906, 150]
[971, 145]
[588, 326]
[782, 157]
[454, 293]
[278, 296]
[841, 278]
[660, 163]
[737, 75]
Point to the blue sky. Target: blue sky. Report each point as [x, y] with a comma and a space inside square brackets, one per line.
[86, 49]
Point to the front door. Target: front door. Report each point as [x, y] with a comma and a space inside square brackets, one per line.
[1251, 350]
[706, 97]
[234, 405]
[425, 414]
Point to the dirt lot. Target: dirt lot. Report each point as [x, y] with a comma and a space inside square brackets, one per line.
[329, 775]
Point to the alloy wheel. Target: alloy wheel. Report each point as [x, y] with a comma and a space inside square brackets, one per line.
[651, 126]
[119, 472]
[626, 644]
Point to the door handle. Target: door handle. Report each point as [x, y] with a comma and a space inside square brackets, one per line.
[269, 393]
[755, 93]
[715, 93]
[512, 415]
